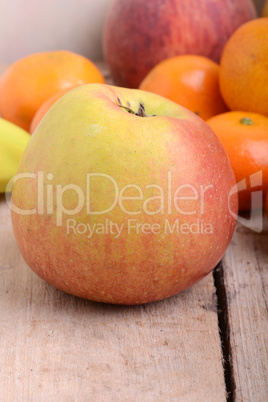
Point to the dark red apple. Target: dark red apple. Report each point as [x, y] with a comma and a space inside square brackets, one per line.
[138, 34]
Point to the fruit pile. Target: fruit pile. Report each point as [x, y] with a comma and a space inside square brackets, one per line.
[212, 91]
[196, 81]
[185, 70]
[239, 84]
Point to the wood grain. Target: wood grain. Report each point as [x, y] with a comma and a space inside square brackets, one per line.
[58, 347]
[246, 280]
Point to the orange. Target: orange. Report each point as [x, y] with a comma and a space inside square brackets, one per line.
[266, 205]
[192, 81]
[244, 135]
[30, 81]
[244, 68]
[46, 106]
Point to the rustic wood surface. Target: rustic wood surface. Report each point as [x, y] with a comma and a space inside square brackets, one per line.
[246, 281]
[58, 347]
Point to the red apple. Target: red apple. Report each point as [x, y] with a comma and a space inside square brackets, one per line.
[122, 196]
[138, 34]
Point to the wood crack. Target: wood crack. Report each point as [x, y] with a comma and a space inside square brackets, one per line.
[224, 331]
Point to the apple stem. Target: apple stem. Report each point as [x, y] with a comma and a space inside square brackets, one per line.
[140, 112]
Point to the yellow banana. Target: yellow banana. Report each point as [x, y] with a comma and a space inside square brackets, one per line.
[13, 141]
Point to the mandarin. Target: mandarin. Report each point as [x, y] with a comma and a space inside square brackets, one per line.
[244, 68]
[244, 136]
[30, 81]
[192, 81]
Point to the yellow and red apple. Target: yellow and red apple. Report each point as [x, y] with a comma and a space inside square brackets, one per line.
[123, 196]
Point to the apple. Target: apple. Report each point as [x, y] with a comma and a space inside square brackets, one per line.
[123, 196]
[139, 34]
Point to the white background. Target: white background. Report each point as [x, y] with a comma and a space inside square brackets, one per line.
[29, 26]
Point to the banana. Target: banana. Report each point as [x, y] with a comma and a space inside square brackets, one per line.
[13, 141]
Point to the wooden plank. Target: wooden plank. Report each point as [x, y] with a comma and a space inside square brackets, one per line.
[58, 347]
[246, 281]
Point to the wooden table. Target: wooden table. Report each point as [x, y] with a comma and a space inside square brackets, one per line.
[206, 344]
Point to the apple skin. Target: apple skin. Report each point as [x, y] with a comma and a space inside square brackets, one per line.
[87, 131]
[139, 34]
